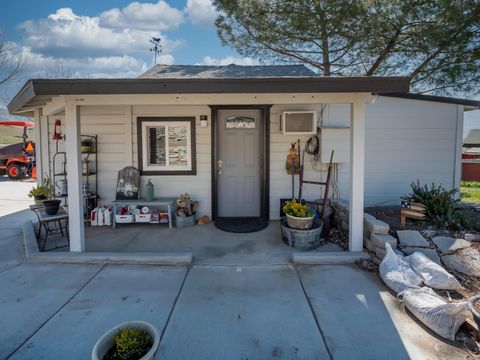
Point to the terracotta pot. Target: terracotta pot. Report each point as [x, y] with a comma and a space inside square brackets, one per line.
[473, 308]
[51, 206]
[299, 223]
[106, 340]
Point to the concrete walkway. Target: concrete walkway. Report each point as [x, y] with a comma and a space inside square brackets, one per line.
[205, 311]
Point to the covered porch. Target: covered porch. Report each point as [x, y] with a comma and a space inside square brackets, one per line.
[53, 98]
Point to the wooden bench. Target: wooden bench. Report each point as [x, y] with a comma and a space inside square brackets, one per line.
[412, 211]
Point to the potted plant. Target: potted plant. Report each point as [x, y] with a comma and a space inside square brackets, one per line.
[42, 192]
[299, 216]
[132, 340]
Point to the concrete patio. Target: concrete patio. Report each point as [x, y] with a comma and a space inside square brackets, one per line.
[205, 311]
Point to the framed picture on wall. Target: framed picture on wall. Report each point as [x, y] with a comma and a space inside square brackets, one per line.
[166, 145]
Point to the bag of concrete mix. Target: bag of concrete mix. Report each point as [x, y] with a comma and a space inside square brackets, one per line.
[396, 273]
[432, 274]
[438, 315]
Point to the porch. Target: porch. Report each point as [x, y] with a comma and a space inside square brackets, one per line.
[206, 243]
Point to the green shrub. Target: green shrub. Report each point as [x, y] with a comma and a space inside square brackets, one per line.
[132, 344]
[441, 206]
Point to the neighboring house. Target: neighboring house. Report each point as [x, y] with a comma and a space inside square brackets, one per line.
[471, 156]
[216, 132]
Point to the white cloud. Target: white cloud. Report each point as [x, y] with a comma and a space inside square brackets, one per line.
[66, 34]
[201, 12]
[207, 60]
[146, 16]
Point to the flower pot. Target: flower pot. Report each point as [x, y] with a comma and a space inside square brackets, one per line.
[106, 341]
[38, 200]
[473, 308]
[299, 223]
[51, 206]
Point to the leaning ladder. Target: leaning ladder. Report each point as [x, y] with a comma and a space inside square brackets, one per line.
[323, 201]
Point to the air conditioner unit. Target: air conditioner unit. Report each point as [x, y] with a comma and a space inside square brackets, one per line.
[299, 122]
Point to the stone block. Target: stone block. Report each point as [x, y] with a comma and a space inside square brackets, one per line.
[343, 216]
[367, 244]
[344, 225]
[411, 238]
[376, 226]
[368, 216]
[430, 253]
[339, 204]
[466, 261]
[379, 240]
[380, 252]
[448, 245]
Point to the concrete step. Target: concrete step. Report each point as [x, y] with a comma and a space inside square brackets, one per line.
[330, 258]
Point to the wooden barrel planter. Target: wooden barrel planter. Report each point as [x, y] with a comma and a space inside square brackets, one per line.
[303, 240]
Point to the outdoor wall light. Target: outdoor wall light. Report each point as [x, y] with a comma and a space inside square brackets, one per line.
[203, 121]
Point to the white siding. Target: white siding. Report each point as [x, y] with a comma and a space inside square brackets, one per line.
[405, 140]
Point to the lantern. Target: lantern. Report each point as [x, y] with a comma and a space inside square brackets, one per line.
[57, 131]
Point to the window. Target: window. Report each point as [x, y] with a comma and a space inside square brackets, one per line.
[166, 146]
[240, 122]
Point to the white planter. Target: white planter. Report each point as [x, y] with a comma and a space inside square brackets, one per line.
[106, 340]
[299, 223]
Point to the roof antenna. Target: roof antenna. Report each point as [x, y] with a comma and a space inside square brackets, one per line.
[156, 48]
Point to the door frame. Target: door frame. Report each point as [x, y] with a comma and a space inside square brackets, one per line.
[265, 141]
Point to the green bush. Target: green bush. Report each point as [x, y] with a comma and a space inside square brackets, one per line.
[131, 344]
[441, 206]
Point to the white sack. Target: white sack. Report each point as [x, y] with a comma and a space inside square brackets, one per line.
[396, 273]
[432, 274]
[441, 317]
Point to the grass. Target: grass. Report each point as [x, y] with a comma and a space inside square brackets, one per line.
[470, 191]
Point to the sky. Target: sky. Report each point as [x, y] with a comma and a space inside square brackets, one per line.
[110, 38]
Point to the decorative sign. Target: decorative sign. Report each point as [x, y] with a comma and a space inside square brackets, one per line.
[240, 122]
[128, 183]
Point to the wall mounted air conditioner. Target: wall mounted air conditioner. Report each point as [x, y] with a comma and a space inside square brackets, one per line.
[299, 122]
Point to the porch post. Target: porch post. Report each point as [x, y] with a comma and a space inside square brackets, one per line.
[37, 115]
[74, 177]
[357, 173]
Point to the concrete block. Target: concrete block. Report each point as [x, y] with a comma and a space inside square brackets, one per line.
[339, 204]
[379, 240]
[367, 244]
[411, 238]
[430, 253]
[329, 258]
[368, 216]
[376, 226]
[380, 252]
[448, 244]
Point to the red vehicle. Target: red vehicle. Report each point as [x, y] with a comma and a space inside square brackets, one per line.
[18, 160]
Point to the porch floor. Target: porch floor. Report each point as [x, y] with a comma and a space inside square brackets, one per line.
[208, 244]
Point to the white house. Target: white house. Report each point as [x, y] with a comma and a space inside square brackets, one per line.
[222, 134]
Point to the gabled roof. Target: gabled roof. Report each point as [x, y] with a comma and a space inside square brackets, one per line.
[472, 139]
[228, 71]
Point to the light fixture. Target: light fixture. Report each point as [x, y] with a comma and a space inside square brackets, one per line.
[203, 121]
[57, 130]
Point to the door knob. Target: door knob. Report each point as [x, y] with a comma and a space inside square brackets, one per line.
[219, 167]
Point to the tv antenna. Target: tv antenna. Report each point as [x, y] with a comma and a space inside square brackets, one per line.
[156, 48]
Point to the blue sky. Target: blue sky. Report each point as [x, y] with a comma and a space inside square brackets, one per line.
[107, 38]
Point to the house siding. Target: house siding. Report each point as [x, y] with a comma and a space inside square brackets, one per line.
[405, 140]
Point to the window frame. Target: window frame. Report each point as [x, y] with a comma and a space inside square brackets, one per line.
[142, 144]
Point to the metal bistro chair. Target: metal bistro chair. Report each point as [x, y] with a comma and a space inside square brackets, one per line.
[53, 224]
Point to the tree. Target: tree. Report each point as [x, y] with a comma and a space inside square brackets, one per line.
[10, 64]
[437, 42]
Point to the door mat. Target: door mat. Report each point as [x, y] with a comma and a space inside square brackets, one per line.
[241, 225]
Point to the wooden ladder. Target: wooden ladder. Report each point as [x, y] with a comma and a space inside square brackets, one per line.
[326, 183]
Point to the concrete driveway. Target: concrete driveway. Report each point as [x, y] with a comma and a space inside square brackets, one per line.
[205, 311]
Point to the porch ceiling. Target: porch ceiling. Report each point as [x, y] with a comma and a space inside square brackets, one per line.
[37, 92]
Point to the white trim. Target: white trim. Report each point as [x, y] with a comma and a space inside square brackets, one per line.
[457, 173]
[357, 176]
[74, 178]
[167, 125]
[128, 137]
[37, 115]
